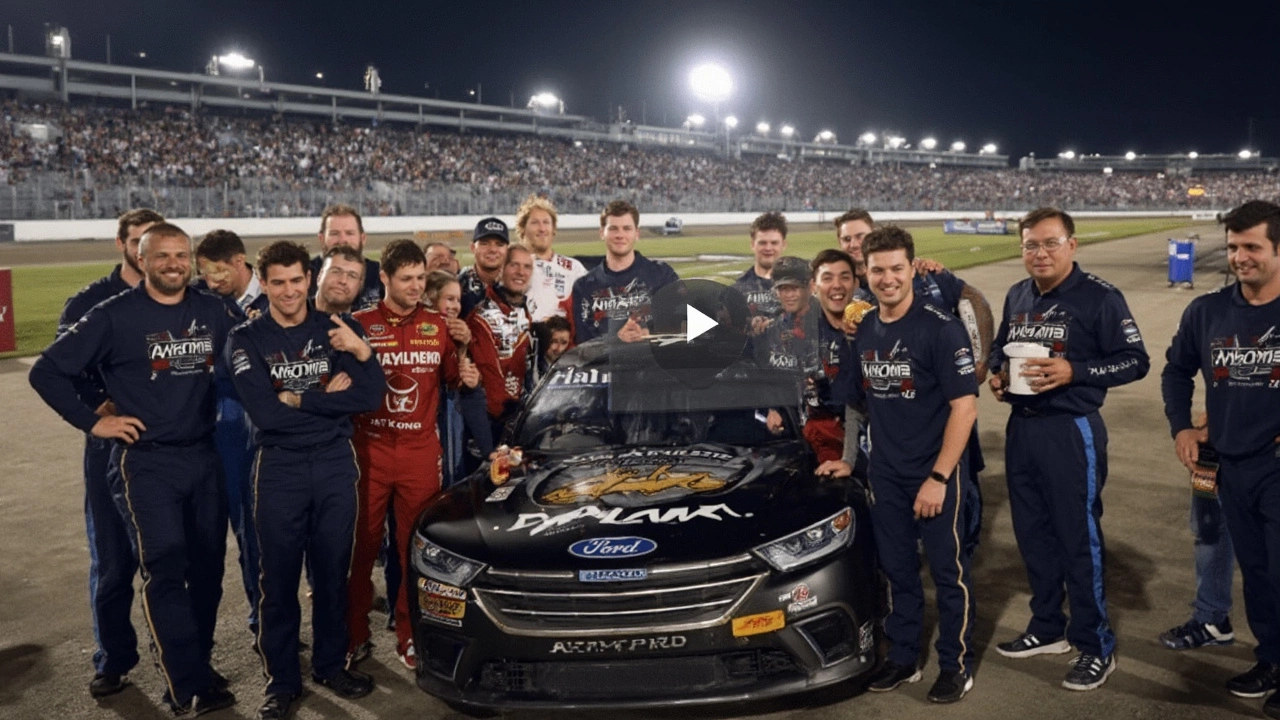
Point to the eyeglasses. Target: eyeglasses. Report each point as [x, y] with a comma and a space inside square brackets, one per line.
[1050, 245]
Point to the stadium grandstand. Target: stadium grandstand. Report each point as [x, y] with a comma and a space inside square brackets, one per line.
[87, 140]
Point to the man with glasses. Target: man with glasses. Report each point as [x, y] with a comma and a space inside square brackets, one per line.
[1056, 442]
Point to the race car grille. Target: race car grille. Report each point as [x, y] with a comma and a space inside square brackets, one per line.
[677, 598]
[657, 677]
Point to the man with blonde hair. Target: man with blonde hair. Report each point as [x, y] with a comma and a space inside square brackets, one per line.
[553, 274]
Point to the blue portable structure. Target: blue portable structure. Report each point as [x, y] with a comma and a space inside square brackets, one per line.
[1182, 262]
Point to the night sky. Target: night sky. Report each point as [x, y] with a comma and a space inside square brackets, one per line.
[1104, 77]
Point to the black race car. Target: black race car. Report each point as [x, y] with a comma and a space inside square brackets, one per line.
[655, 544]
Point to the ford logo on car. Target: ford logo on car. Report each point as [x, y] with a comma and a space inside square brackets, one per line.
[612, 547]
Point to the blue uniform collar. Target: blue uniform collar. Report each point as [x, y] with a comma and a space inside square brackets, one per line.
[1073, 278]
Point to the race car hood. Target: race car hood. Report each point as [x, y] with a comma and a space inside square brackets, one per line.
[608, 507]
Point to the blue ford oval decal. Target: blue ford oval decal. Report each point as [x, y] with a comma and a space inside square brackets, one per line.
[612, 547]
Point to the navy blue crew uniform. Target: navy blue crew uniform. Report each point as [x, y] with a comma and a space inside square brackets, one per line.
[907, 373]
[304, 482]
[369, 295]
[111, 561]
[473, 290]
[1056, 448]
[157, 364]
[604, 300]
[762, 301]
[1235, 346]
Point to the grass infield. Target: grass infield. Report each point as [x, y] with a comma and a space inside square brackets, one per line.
[40, 291]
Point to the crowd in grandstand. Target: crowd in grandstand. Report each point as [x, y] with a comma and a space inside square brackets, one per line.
[93, 148]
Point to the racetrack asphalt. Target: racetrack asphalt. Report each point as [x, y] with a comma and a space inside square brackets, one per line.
[46, 642]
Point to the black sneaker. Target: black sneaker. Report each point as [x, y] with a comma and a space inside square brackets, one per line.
[359, 655]
[105, 684]
[206, 702]
[1259, 680]
[1191, 635]
[348, 684]
[1026, 645]
[276, 707]
[950, 687]
[1089, 671]
[891, 675]
[1271, 708]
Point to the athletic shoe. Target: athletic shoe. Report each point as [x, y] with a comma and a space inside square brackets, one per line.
[348, 684]
[891, 675]
[206, 702]
[276, 707]
[409, 656]
[1089, 671]
[950, 687]
[1259, 680]
[105, 684]
[1191, 635]
[359, 654]
[1026, 645]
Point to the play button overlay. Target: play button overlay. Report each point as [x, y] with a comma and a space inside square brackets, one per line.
[696, 323]
[705, 324]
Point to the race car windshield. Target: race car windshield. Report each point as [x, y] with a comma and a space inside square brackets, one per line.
[579, 408]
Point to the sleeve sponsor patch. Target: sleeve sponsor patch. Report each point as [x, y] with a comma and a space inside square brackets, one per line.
[239, 361]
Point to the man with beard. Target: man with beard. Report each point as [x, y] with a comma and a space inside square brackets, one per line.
[341, 279]
[502, 342]
[768, 242]
[616, 297]
[111, 562]
[1230, 337]
[301, 375]
[398, 445]
[553, 274]
[341, 225]
[155, 347]
[489, 248]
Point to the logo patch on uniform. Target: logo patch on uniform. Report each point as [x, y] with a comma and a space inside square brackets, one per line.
[377, 329]
[427, 329]
[239, 361]
[1130, 330]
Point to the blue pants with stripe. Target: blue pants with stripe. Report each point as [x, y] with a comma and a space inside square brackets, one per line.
[232, 435]
[112, 566]
[1056, 466]
[305, 505]
[896, 530]
[1250, 493]
[175, 506]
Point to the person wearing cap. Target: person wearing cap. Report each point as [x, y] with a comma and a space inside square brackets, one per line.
[489, 248]
[1056, 446]
[342, 225]
[616, 297]
[553, 274]
[768, 242]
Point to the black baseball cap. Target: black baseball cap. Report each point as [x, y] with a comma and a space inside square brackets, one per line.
[491, 227]
[790, 270]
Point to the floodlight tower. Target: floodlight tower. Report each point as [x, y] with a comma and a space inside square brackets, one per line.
[712, 83]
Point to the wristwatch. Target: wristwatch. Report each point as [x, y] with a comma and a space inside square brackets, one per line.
[935, 475]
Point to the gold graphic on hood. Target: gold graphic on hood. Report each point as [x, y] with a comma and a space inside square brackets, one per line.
[623, 480]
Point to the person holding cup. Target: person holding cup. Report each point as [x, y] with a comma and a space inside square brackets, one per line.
[1056, 442]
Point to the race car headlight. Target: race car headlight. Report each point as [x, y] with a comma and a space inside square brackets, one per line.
[812, 543]
[439, 564]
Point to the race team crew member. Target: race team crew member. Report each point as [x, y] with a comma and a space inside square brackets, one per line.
[1231, 336]
[341, 225]
[768, 242]
[616, 296]
[301, 375]
[553, 274]
[220, 259]
[155, 347]
[342, 271]
[1056, 447]
[489, 244]
[398, 445]
[502, 341]
[915, 374]
[111, 561]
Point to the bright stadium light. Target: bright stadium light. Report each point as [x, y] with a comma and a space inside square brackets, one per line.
[958, 146]
[894, 142]
[762, 127]
[1067, 154]
[867, 138]
[319, 76]
[825, 136]
[1193, 154]
[711, 83]
[731, 122]
[546, 102]
[787, 131]
[929, 143]
[1107, 170]
[1131, 155]
[235, 61]
[988, 149]
[1245, 154]
[694, 121]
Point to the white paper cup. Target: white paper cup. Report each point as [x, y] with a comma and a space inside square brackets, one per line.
[1018, 353]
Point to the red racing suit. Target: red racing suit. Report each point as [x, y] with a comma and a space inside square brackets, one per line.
[502, 347]
[397, 447]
